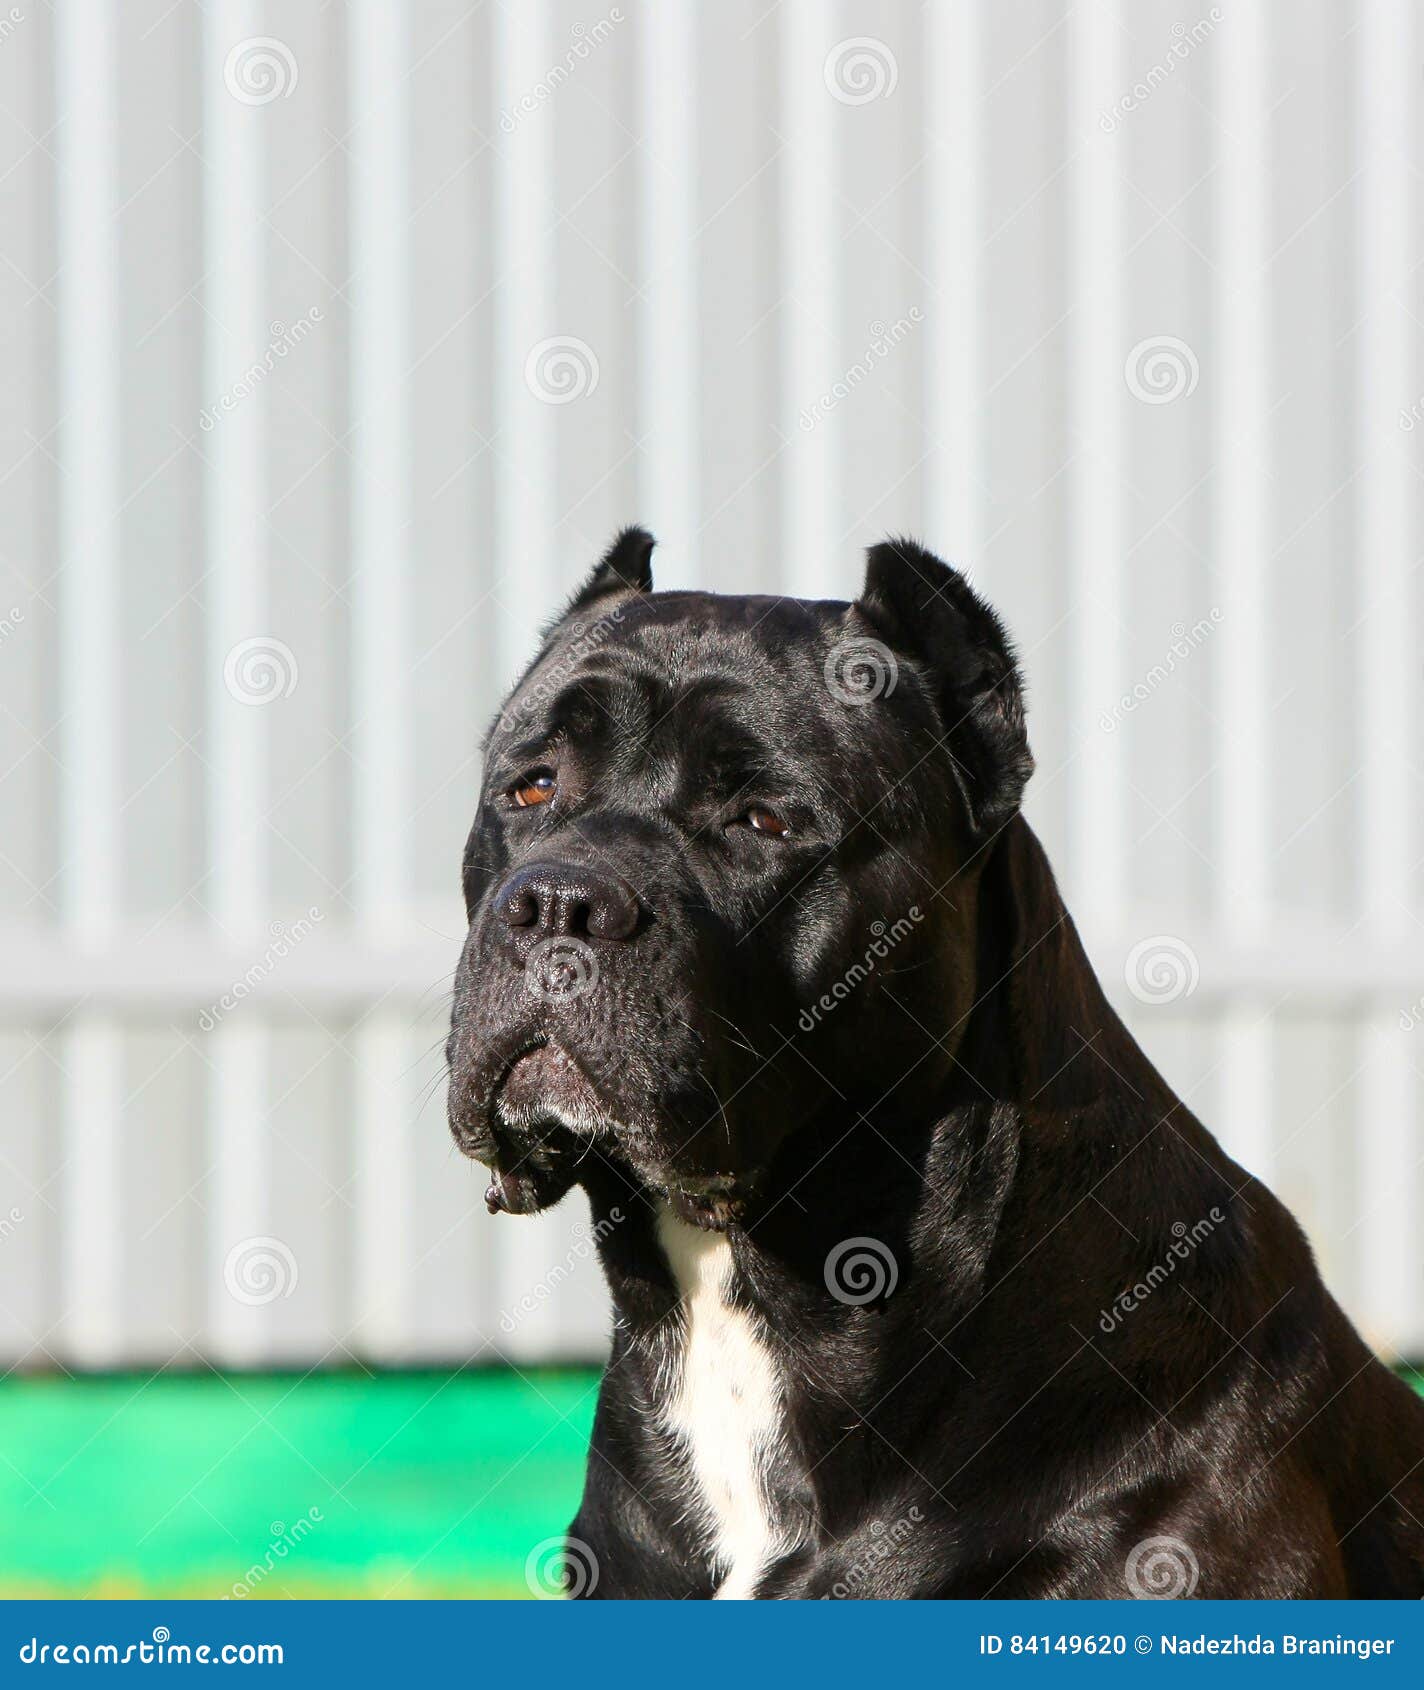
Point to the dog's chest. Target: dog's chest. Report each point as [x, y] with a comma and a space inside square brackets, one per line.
[726, 1407]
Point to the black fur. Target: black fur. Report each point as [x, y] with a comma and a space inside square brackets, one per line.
[966, 1098]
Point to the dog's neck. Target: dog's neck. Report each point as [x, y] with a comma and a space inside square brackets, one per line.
[724, 1327]
[1042, 1035]
[1041, 1044]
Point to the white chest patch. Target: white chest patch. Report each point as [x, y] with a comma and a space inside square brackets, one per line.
[725, 1406]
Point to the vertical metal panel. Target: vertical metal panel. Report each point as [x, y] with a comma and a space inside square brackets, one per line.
[90, 531]
[235, 333]
[1386, 656]
[1247, 1122]
[385, 1237]
[1386, 641]
[1242, 463]
[1096, 450]
[381, 584]
[526, 582]
[1385, 1233]
[953, 216]
[91, 752]
[91, 1314]
[1011, 345]
[668, 388]
[1241, 849]
[808, 308]
[1386, 560]
[380, 459]
[235, 500]
[534, 360]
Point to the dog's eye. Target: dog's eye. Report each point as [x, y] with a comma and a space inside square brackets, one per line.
[537, 787]
[767, 821]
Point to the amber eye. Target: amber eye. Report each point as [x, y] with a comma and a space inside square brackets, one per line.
[767, 821]
[537, 787]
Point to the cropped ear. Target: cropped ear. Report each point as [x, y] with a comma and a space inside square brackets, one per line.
[929, 611]
[626, 567]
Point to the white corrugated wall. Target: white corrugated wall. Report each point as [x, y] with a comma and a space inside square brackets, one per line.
[337, 341]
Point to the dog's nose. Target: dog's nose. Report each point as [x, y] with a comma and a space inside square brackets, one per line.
[566, 898]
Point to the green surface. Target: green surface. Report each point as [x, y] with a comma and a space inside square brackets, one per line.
[399, 1485]
[422, 1484]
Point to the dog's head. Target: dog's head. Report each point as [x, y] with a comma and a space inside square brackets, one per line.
[720, 885]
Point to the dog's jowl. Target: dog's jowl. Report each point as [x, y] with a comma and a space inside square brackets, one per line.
[924, 1282]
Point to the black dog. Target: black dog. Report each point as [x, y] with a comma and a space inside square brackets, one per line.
[925, 1283]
